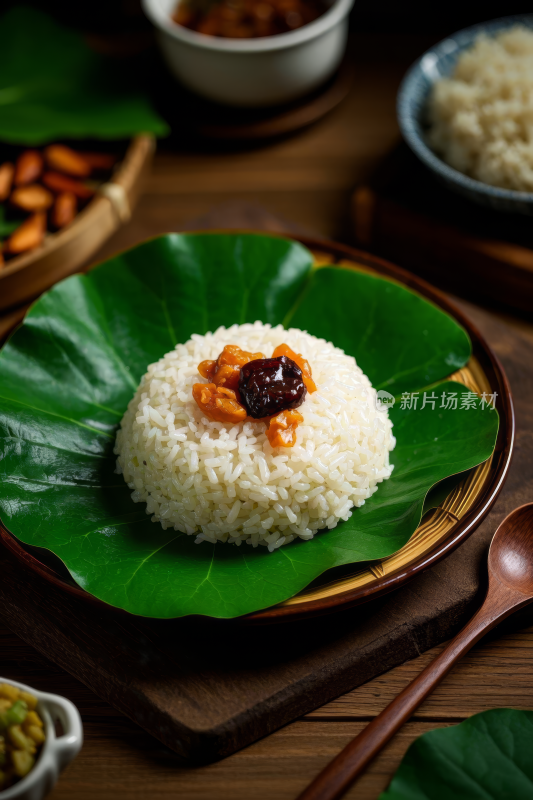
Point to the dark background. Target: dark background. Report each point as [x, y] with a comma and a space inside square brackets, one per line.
[416, 16]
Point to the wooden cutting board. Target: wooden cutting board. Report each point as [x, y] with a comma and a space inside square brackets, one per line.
[405, 215]
[207, 688]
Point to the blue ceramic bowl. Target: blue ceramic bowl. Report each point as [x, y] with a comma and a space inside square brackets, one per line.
[436, 63]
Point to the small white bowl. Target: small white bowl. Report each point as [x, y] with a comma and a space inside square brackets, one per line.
[56, 752]
[252, 72]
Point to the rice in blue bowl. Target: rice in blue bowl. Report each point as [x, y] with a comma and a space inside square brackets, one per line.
[437, 63]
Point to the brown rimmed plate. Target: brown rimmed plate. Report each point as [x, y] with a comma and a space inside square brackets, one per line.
[441, 530]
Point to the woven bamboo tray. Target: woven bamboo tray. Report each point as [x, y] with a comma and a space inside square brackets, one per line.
[62, 253]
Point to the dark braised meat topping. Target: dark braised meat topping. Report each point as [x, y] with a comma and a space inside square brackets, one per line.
[268, 386]
[246, 19]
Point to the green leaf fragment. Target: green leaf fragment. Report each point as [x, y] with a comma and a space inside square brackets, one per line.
[7, 226]
[373, 324]
[52, 85]
[486, 757]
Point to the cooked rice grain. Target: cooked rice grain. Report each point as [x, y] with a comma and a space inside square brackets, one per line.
[225, 482]
[482, 117]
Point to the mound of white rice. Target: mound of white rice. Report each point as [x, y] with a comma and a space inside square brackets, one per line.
[482, 117]
[225, 482]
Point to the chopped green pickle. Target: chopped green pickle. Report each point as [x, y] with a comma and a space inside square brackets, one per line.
[17, 713]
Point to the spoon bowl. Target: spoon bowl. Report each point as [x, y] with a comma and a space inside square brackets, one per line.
[511, 551]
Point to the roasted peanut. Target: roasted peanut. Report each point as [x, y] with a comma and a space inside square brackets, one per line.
[64, 209]
[100, 161]
[7, 170]
[28, 235]
[64, 159]
[28, 167]
[61, 183]
[32, 198]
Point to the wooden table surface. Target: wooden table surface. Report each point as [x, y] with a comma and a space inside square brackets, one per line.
[306, 179]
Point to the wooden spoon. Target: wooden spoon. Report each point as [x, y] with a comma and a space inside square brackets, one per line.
[510, 564]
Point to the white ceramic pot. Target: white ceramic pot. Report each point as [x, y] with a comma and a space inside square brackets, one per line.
[252, 72]
[56, 752]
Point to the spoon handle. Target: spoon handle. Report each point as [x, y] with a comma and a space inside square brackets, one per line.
[337, 776]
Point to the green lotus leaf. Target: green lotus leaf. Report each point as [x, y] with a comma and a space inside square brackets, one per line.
[68, 373]
[7, 227]
[486, 756]
[52, 86]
